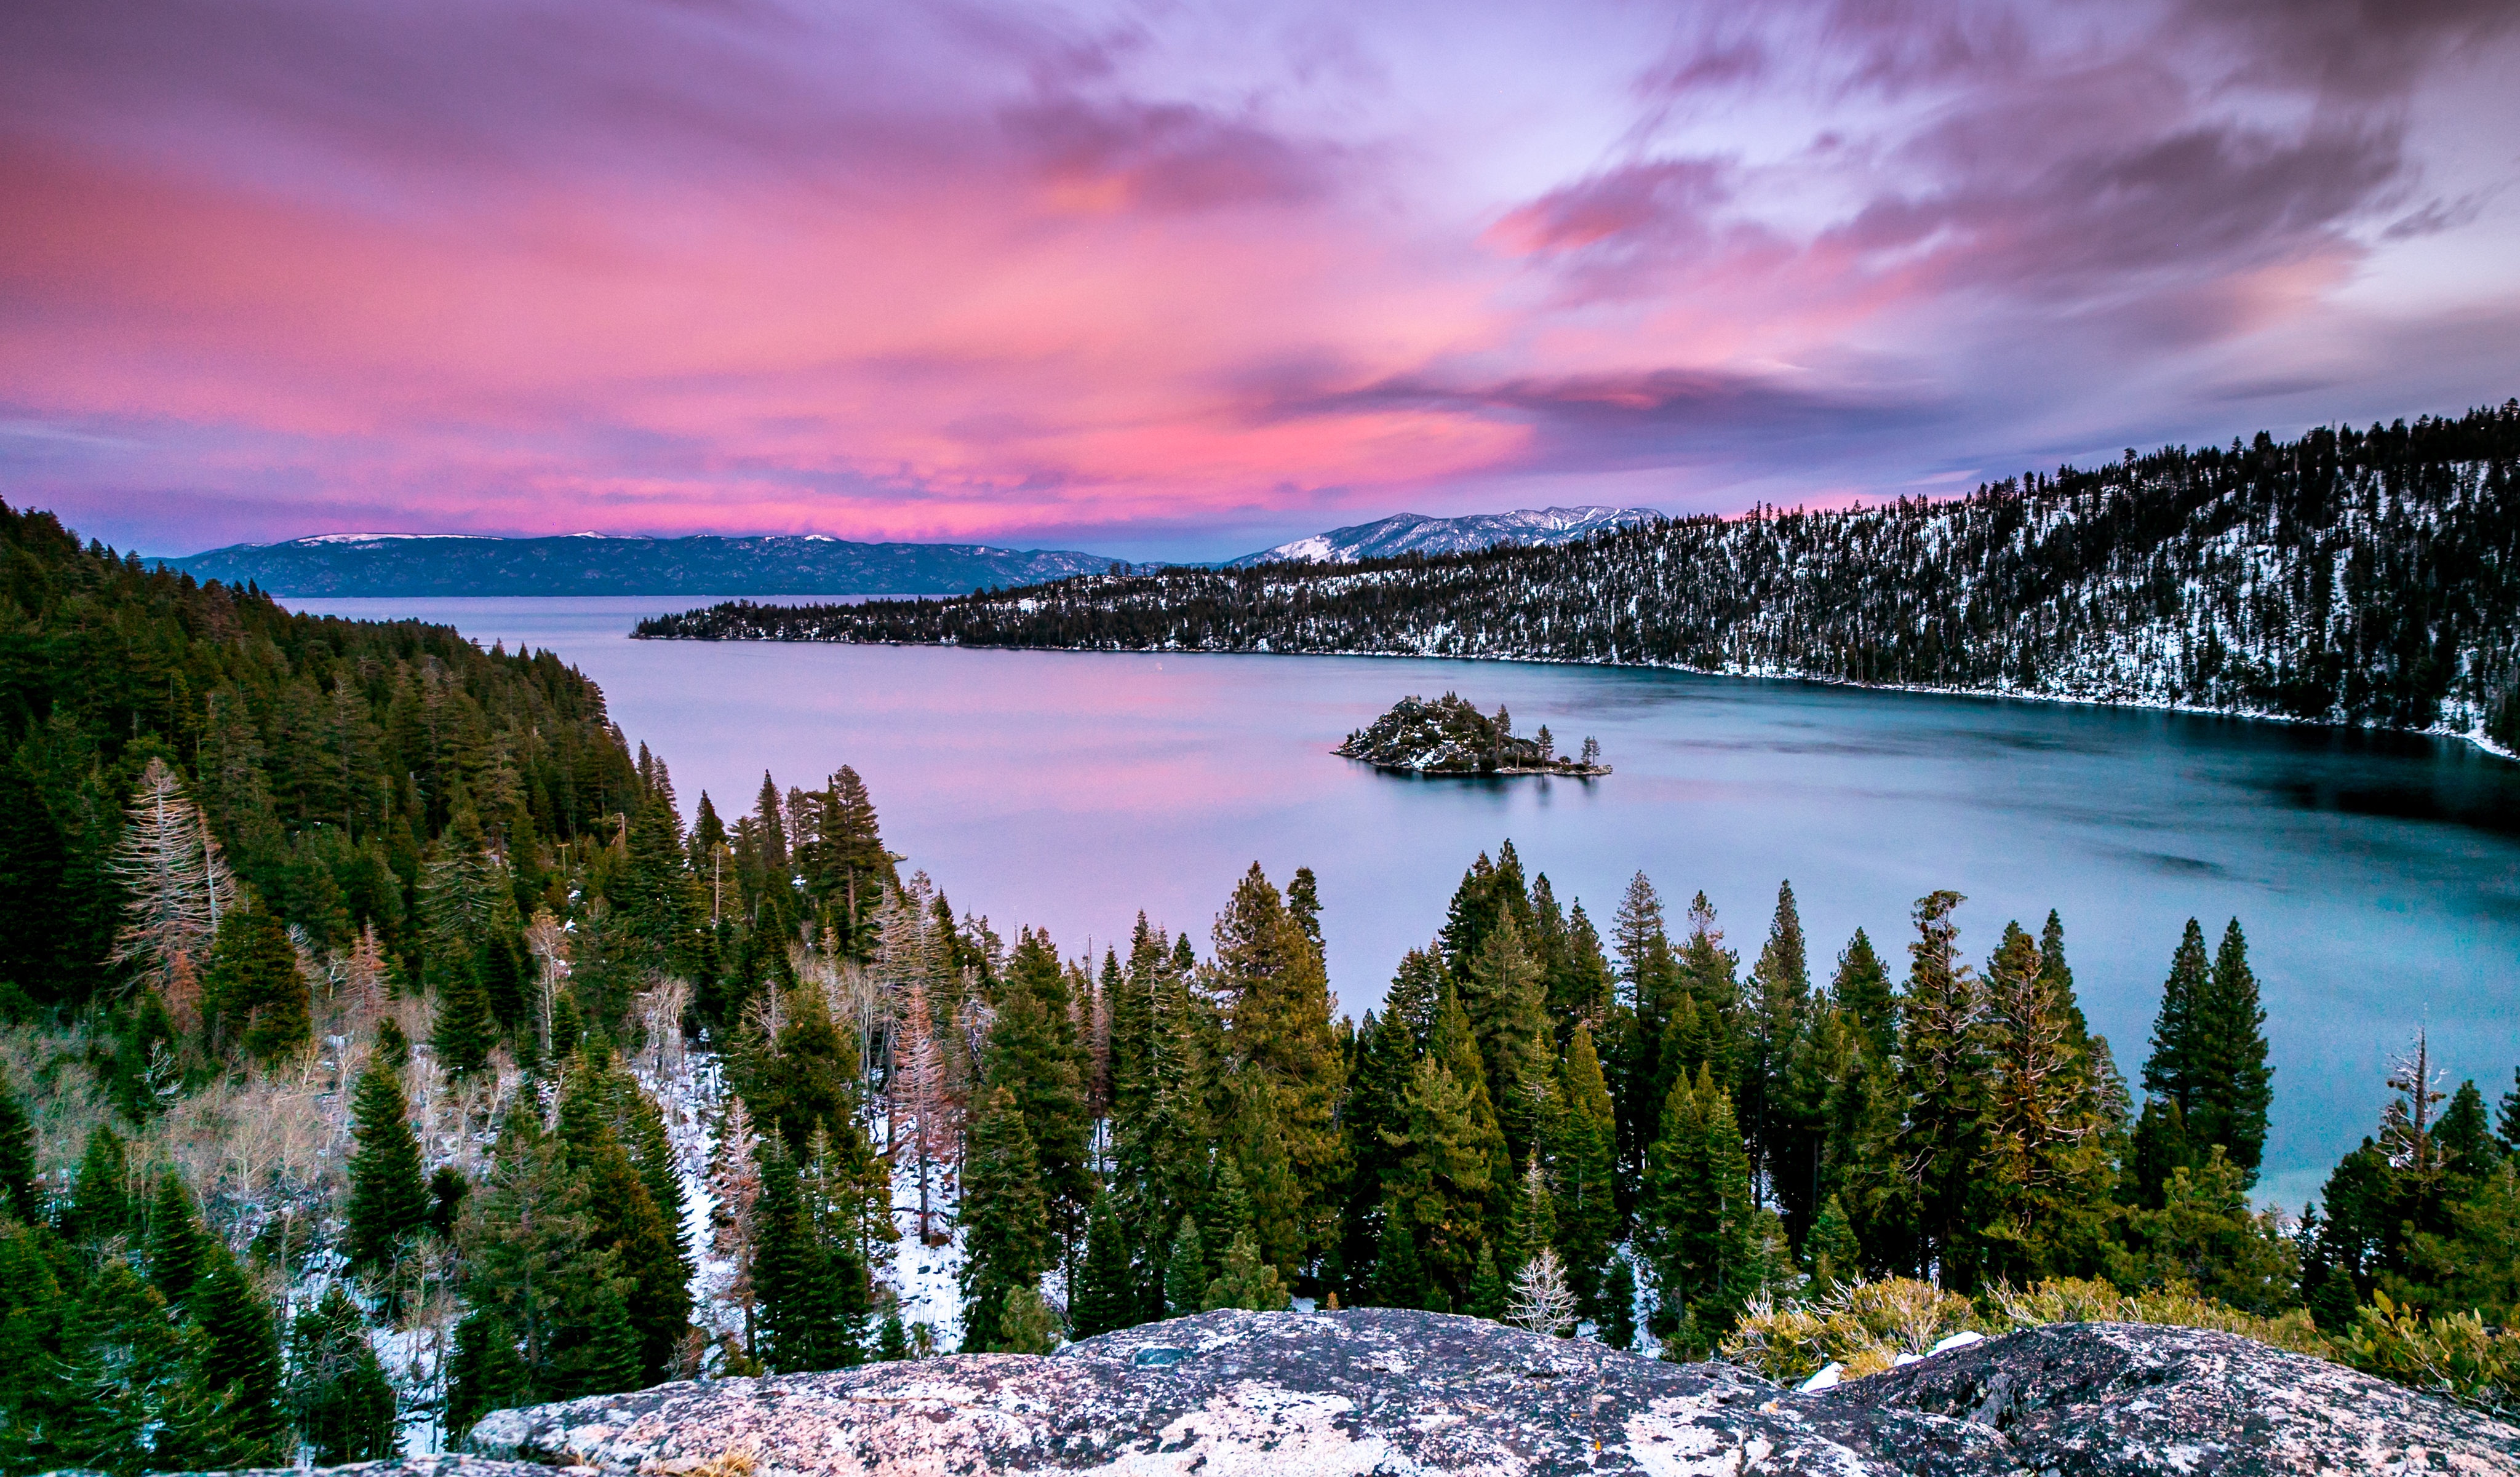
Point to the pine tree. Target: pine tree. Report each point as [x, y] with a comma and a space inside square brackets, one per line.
[484, 1373]
[792, 1273]
[1276, 998]
[1618, 1324]
[1399, 1277]
[1450, 1175]
[1106, 1293]
[1248, 1282]
[1696, 1228]
[1829, 1252]
[240, 1353]
[1862, 989]
[100, 1207]
[1032, 1056]
[1484, 1296]
[892, 1341]
[1005, 1219]
[177, 1243]
[1780, 995]
[1940, 1073]
[1531, 1226]
[2233, 1086]
[20, 1194]
[1027, 1326]
[1186, 1272]
[339, 1397]
[255, 996]
[463, 1030]
[2043, 1182]
[388, 1198]
[1502, 996]
[2173, 1070]
[1588, 1211]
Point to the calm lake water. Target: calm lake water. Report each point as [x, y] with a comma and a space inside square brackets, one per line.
[2379, 876]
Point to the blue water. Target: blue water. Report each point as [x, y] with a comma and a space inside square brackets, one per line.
[2377, 876]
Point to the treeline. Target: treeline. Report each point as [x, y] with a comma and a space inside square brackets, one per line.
[2351, 576]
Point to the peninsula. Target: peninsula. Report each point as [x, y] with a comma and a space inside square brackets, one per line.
[1450, 737]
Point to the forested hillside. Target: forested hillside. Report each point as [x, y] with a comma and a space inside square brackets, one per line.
[2352, 577]
[383, 1048]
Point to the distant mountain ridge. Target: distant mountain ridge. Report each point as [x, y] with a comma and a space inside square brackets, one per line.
[1417, 533]
[349, 565]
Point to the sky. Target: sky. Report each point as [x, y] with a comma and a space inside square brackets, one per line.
[1180, 281]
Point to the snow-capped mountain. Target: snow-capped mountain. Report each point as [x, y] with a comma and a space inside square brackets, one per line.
[1417, 533]
[587, 563]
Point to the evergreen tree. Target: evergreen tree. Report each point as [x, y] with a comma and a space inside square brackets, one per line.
[100, 1207]
[1500, 995]
[1531, 1226]
[2233, 1086]
[240, 1355]
[2043, 1179]
[1829, 1252]
[1780, 995]
[1106, 1293]
[339, 1394]
[1399, 1277]
[20, 1194]
[1247, 1281]
[2205, 1237]
[1450, 1176]
[1027, 1326]
[1005, 1219]
[1618, 1322]
[1032, 1056]
[792, 1273]
[1941, 1072]
[388, 1198]
[177, 1243]
[1276, 1000]
[463, 1030]
[1588, 1211]
[255, 996]
[1485, 1295]
[2175, 1069]
[1697, 1226]
[892, 1341]
[1186, 1272]
[484, 1373]
[1862, 989]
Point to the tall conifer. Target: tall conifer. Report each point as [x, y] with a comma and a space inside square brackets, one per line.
[389, 1197]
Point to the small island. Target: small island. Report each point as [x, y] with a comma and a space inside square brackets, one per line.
[1450, 737]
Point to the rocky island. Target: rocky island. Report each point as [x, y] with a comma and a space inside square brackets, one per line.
[1450, 737]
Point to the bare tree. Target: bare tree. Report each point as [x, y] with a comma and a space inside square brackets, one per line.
[169, 863]
[735, 1180]
[1541, 1300]
[548, 942]
[919, 1095]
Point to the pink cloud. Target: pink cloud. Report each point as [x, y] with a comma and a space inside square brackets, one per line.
[979, 272]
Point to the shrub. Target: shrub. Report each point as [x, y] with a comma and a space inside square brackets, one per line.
[2451, 1355]
[1861, 1327]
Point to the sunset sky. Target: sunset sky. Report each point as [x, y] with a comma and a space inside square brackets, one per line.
[1164, 280]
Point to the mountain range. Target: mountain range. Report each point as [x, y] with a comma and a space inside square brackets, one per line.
[345, 564]
[442, 565]
[1416, 533]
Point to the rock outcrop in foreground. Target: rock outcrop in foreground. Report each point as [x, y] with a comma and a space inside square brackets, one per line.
[1385, 1390]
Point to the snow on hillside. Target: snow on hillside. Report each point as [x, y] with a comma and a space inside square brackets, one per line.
[1417, 533]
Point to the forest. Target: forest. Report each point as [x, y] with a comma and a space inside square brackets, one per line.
[385, 1047]
[2347, 576]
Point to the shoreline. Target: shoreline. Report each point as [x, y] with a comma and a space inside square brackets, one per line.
[2475, 736]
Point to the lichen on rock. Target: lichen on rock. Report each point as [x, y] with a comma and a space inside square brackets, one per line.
[1397, 1392]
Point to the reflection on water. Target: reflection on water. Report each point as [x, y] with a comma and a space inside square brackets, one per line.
[2378, 876]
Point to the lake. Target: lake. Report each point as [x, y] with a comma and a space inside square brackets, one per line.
[2377, 876]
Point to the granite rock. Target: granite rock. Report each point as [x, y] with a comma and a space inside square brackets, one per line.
[1385, 1390]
